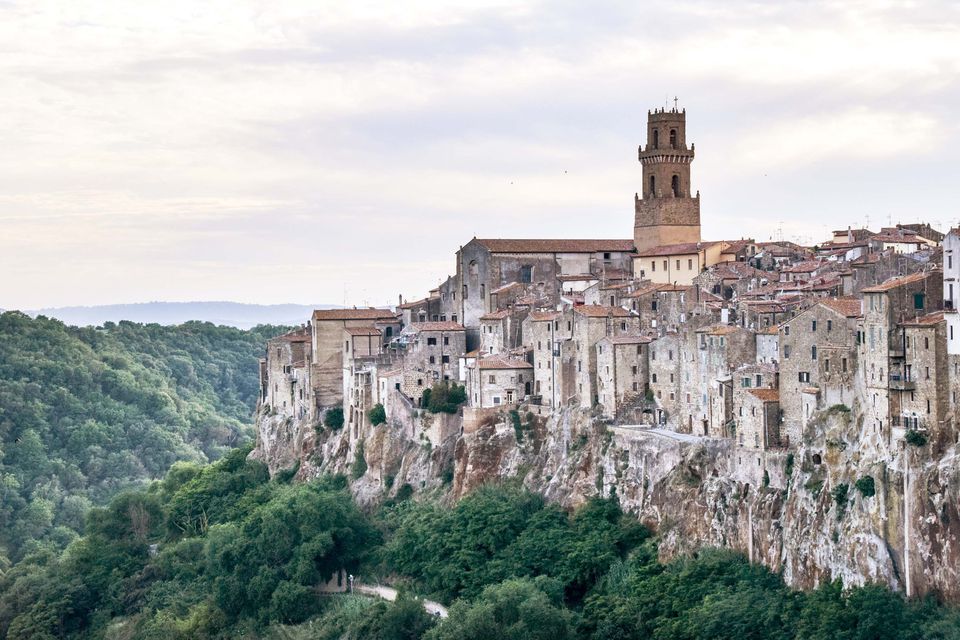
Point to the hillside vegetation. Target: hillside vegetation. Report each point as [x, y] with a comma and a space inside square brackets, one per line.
[86, 413]
[223, 551]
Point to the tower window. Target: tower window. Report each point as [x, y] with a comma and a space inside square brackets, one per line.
[653, 187]
[675, 186]
[673, 138]
[656, 139]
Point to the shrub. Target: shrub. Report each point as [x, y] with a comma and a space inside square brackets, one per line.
[517, 425]
[377, 415]
[444, 397]
[866, 486]
[840, 493]
[359, 466]
[333, 419]
[916, 438]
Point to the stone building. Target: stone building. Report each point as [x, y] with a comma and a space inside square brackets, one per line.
[925, 399]
[664, 364]
[667, 213]
[712, 353]
[590, 324]
[326, 371]
[284, 381]
[501, 330]
[818, 348]
[883, 368]
[544, 332]
[431, 354]
[496, 381]
[676, 264]
[622, 371]
[757, 416]
[486, 265]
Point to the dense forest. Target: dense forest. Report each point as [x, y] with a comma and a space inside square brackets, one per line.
[222, 551]
[88, 412]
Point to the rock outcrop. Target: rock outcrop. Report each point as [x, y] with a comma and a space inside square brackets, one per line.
[806, 515]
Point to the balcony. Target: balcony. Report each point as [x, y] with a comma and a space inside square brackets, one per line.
[898, 382]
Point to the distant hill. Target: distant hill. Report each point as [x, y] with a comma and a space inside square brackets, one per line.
[231, 314]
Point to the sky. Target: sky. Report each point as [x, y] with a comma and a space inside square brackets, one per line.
[341, 152]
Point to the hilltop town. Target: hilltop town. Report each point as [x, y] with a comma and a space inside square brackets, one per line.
[799, 372]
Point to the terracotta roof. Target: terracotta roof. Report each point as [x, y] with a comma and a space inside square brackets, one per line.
[415, 303]
[893, 283]
[929, 319]
[506, 287]
[496, 315]
[734, 246]
[544, 316]
[597, 311]
[645, 289]
[577, 277]
[676, 249]
[502, 245]
[353, 314]
[362, 331]
[765, 395]
[807, 266]
[769, 331]
[437, 326]
[719, 330]
[501, 362]
[849, 307]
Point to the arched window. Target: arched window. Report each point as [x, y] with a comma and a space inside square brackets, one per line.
[653, 187]
[389, 332]
[675, 186]
[673, 138]
[656, 139]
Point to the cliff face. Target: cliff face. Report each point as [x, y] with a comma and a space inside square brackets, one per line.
[804, 514]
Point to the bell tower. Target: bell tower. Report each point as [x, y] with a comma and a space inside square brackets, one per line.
[666, 213]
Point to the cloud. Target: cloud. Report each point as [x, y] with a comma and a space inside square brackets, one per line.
[258, 150]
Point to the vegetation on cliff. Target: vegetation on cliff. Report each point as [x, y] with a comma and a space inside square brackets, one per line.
[222, 550]
[88, 412]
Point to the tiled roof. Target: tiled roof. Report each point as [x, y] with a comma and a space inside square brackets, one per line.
[765, 395]
[502, 245]
[849, 307]
[544, 316]
[893, 283]
[415, 303]
[437, 326]
[807, 266]
[362, 331]
[506, 287]
[297, 335]
[733, 246]
[496, 315]
[597, 311]
[353, 314]
[501, 362]
[926, 320]
[676, 249]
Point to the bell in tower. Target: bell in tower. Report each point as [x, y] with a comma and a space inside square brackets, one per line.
[666, 213]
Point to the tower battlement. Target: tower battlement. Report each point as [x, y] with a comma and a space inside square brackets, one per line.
[666, 212]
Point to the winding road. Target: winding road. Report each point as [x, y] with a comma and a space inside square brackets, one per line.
[390, 595]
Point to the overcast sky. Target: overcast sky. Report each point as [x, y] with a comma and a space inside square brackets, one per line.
[327, 152]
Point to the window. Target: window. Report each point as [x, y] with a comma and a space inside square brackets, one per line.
[346, 346]
[431, 341]
[665, 265]
[829, 325]
[690, 264]
[843, 365]
[786, 329]
[678, 265]
[446, 340]
[786, 351]
[804, 376]
[446, 359]
[926, 343]
[927, 373]
[656, 140]
[419, 382]
[813, 325]
[634, 368]
[675, 186]
[653, 377]
[639, 348]
[918, 301]
[813, 352]
[826, 365]
[483, 291]
[636, 386]
[433, 360]
[673, 138]
[606, 255]
[492, 379]
[745, 383]
[653, 187]
[526, 274]
[653, 268]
